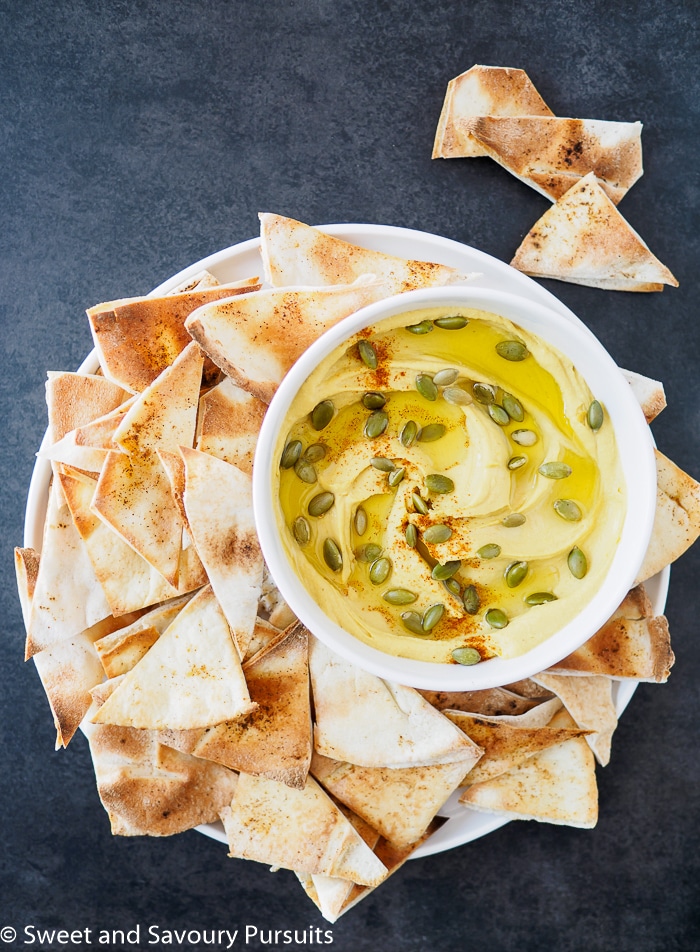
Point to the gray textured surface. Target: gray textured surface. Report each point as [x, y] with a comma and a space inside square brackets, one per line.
[137, 138]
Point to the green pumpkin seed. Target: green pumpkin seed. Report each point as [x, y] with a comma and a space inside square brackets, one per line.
[489, 551]
[315, 452]
[322, 414]
[540, 598]
[513, 407]
[466, 656]
[305, 470]
[290, 454]
[419, 504]
[438, 483]
[453, 587]
[368, 553]
[332, 555]
[484, 393]
[436, 534]
[446, 570]
[457, 396]
[396, 476]
[515, 462]
[524, 437]
[379, 571]
[512, 350]
[409, 432]
[320, 504]
[446, 377]
[568, 509]
[471, 600]
[453, 322]
[361, 521]
[498, 414]
[424, 327]
[399, 596]
[431, 432]
[515, 573]
[413, 622]
[373, 400]
[425, 387]
[411, 535]
[376, 423]
[577, 562]
[595, 415]
[301, 530]
[513, 520]
[368, 354]
[554, 469]
[432, 616]
[383, 464]
[496, 618]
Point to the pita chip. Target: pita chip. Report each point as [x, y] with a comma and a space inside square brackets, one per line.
[483, 91]
[349, 704]
[650, 393]
[119, 651]
[225, 537]
[677, 518]
[297, 254]
[190, 678]
[589, 701]
[74, 399]
[584, 239]
[298, 829]
[557, 785]
[198, 281]
[229, 422]
[550, 154]
[489, 701]
[137, 338]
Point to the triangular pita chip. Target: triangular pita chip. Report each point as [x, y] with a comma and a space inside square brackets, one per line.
[349, 705]
[487, 701]
[121, 650]
[191, 677]
[551, 154]
[297, 829]
[584, 239]
[74, 399]
[198, 281]
[483, 91]
[650, 393]
[589, 701]
[229, 422]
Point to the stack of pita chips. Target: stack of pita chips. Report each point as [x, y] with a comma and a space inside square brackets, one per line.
[584, 166]
[155, 626]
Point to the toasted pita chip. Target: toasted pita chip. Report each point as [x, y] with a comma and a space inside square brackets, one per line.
[677, 519]
[74, 399]
[229, 422]
[202, 279]
[583, 239]
[551, 154]
[650, 393]
[297, 254]
[190, 678]
[275, 740]
[137, 338]
[528, 688]
[483, 91]
[225, 538]
[632, 644]
[537, 717]
[487, 701]
[255, 338]
[400, 804]
[589, 701]
[349, 704]
[297, 829]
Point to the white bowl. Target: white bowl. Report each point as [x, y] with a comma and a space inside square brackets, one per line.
[635, 449]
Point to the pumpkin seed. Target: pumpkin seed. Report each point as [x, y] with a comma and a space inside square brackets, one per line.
[540, 598]
[305, 470]
[332, 555]
[436, 534]
[320, 504]
[496, 618]
[399, 596]
[379, 571]
[431, 432]
[396, 476]
[368, 354]
[515, 462]
[446, 570]
[513, 519]
[376, 423]
[409, 432]
[512, 350]
[568, 509]
[466, 656]
[438, 483]
[301, 530]
[419, 504]
[322, 414]
[411, 535]
[432, 616]
[383, 464]
[457, 396]
[361, 521]
[595, 415]
[515, 573]
[426, 387]
[471, 600]
[315, 452]
[373, 400]
[484, 393]
[524, 437]
[453, 322]
[424, 327]
[453, 587]
[489, 551]
[413, 622]
[577, 562]
[290, 454]
[498, 414]
[446, 377]
[513, 407]
[368, 553]
[554, 469]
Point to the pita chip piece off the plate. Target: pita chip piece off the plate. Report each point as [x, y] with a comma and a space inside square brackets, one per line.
[297, 254]
[483, 91]
[229, 423]
[298, 829]
[349, 704]
[74, 399]
[650, 393]
[589, 701]
[584, 239]
[191, 677]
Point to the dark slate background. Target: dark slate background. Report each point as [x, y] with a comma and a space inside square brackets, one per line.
[138, 137]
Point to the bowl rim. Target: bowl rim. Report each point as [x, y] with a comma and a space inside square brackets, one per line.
[564, 334]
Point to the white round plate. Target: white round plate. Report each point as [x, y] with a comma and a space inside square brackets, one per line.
[243, 261]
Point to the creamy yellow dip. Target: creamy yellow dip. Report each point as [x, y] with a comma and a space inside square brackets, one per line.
[512, 530]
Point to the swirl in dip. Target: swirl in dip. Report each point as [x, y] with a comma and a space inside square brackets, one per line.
[449, 488]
